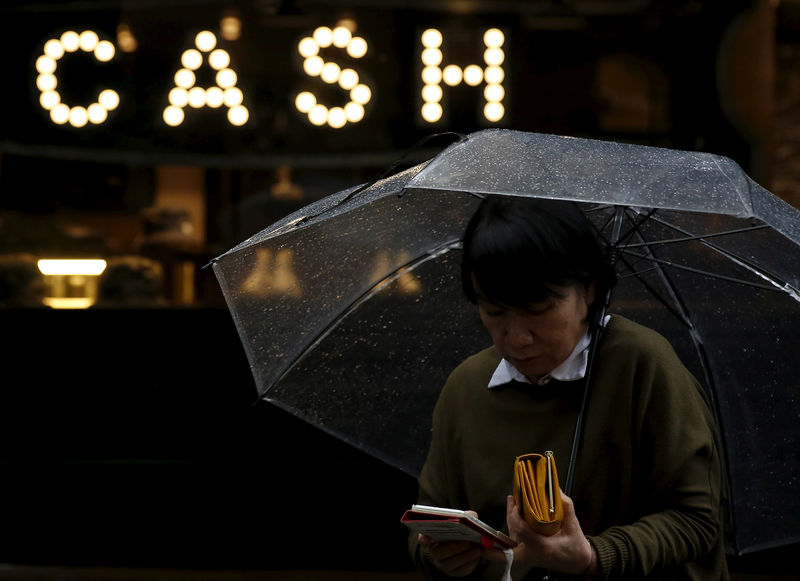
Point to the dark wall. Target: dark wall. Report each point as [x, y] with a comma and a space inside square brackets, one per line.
[130, 438]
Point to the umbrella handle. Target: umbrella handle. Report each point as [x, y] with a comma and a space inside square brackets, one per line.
[576, 437]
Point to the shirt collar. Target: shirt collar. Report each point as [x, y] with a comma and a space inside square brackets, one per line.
[572, 368]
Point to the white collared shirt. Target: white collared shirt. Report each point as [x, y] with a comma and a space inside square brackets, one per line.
[571, 369]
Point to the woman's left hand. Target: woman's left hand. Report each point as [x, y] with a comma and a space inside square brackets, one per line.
[567, 551]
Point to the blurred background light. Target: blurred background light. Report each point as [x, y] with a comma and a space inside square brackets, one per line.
[71, 266]
[125, 39]
[230, 26]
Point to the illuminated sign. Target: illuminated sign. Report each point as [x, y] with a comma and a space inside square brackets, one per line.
[473, 75]
[187, 93]
[47, 81]
[332, 73]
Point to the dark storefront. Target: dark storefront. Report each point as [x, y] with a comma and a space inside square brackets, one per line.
[129, 432]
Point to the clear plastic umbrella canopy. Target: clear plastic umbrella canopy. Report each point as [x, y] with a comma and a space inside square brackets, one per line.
[351, 313]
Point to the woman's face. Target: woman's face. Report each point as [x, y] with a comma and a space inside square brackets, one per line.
[538, 338]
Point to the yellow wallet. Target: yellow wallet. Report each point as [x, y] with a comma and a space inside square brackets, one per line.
[536, 492]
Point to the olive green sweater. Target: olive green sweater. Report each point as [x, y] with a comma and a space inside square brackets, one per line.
[647, 481]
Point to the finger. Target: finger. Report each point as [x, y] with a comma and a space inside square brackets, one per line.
[447, 550]
[461, 563]
[516, 523]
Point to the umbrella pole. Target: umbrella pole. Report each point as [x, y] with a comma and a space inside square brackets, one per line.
[619, 214]
[576, 438]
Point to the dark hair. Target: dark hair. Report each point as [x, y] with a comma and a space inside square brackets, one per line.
[518, 248]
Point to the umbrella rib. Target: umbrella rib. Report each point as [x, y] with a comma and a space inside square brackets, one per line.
[703, 272]
[778, 283]
[678, 315]
[700, 237]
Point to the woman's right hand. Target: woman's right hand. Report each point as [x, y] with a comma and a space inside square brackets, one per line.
[454, 558]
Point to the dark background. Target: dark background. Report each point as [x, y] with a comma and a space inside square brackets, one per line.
[131, 437]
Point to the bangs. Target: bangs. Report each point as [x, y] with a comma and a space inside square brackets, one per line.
[514, 272]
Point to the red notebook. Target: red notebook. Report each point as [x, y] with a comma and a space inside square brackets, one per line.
[449, 524]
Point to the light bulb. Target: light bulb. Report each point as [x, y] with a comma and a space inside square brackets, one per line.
[109, 99]
[219, 59]
[324, 36]
[431, 112]
[205, 40]
[173, 116]
[305, 101]
[191, 59]
[494, 38]
[357, 47]
[431, 38]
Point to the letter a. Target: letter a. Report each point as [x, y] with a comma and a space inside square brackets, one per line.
[186, 92]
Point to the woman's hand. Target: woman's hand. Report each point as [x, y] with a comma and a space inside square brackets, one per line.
[567, 551]
[455, 558]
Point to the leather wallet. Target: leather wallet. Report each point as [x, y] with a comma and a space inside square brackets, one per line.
[536, 492]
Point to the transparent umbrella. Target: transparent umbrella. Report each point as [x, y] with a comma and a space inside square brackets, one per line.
[351, 313]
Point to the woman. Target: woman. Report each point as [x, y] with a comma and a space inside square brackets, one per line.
[646, 492]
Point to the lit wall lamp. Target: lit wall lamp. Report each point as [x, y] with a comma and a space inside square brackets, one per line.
[71, 283]
[126, 41]
[230, 25]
